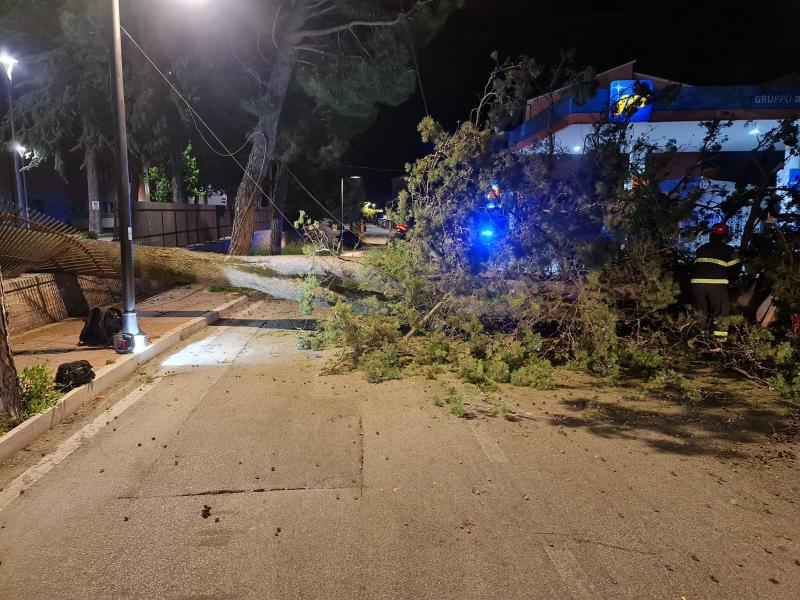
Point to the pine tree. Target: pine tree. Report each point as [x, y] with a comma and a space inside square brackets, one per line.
[353, 58]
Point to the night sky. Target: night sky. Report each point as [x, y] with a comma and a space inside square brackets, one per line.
[699, 42]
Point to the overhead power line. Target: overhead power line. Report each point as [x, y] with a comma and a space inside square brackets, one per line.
[228, 153]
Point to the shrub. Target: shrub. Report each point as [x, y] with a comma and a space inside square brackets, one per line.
[456, 407]
[498, 371]
[473, 370]
[676, 387]
[39, 390]
[308, 286]
[433, 349]
[787, 385]
[381, 365]
[536, 374]
[640, 361]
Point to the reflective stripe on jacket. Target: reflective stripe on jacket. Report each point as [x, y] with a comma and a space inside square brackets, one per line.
[716, 263]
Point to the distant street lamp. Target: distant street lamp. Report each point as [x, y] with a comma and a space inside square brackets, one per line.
[342, 224]
[9, 62]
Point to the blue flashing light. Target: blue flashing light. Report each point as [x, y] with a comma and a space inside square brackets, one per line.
[487, 233]
[491, 205]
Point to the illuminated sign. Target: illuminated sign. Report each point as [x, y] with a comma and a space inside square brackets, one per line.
[627, 103]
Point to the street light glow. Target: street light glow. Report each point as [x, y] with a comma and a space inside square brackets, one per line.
[8, 62]
[21, 150]
[355, 176]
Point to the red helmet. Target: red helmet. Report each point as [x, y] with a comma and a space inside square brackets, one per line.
[720, 230]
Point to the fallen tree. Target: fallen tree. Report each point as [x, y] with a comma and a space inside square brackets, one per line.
[518, 262]
[273, 275]
[42, 245]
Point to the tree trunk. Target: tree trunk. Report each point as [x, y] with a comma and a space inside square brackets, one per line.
[244, 209]
[176, 162]
[11, 401]
[93, 192]
[136, 180]
[146, 182]
[278, 210]
[249, 194]
[275, 276]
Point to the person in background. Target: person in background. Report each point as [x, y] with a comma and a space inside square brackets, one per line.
[716, 267]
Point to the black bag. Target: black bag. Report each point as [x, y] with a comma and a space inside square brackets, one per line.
[74, 374]
[101, 326]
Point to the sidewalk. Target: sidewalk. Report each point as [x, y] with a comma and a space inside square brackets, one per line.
[57, 343]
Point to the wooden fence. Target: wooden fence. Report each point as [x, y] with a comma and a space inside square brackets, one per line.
[176, 225]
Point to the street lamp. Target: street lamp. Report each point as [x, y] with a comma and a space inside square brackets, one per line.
[342, 225]
[9, 62]
[130, 338]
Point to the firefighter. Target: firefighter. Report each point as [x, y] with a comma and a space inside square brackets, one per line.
[716, 266]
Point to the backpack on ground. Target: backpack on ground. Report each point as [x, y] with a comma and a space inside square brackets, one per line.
[100, 327]
[74, 374]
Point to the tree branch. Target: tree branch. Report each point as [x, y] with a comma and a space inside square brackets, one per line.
[298, 36]
[323, 11]
[314, 49]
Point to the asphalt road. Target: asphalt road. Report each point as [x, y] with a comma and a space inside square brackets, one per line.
[237, 470]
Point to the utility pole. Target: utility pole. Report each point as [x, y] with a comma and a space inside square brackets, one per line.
[130, 339]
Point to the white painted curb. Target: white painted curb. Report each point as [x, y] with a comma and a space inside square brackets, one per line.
[25, 433]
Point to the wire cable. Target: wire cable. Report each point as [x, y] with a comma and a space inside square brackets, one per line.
[231, 155]
[310, 195]
[210, 147]
[416, 62]
[206, 125]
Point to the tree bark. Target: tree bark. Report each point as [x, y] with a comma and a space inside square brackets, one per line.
[93, 192]
[273, 275]
[11, 401]
[266, 133]
[136, 180]
[146, 182]
[177, 179]
[278, 210]
[247, 198]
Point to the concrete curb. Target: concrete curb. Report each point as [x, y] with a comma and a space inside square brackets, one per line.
[25, 433]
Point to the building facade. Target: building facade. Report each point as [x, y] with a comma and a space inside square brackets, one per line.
[559, 121]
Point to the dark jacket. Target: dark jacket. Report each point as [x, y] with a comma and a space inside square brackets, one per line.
[716, 263]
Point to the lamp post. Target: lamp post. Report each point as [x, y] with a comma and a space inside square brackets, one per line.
[342, 224]
[130, 338]
[9, 62]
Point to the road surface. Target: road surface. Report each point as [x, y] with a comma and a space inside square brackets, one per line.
[233, 468]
